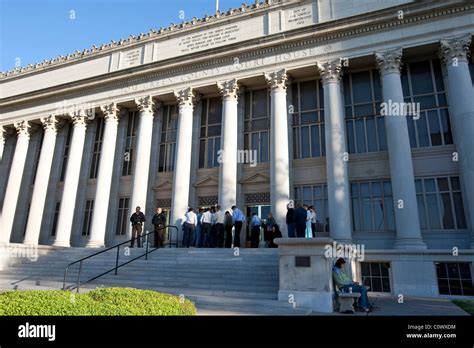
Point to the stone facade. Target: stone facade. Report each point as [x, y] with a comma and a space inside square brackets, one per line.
[67, 124]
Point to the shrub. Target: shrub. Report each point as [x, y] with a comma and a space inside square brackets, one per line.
[98, 302]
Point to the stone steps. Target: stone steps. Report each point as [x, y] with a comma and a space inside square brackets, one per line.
[219, 282]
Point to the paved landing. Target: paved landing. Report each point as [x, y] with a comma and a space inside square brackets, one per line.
[411, 306]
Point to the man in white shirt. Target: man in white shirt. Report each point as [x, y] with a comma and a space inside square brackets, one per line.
[206, 221]
[189, 226]
[219, 220]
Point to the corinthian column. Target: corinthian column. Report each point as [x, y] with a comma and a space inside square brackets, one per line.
[3, 136]
[182, 169]
[279, 153]
[35, 216]
[14, 180]
[454, 53]
[71, 181]
[336, 153]
[104, 177]
[399, 154]
[228, 167]
[142, 163]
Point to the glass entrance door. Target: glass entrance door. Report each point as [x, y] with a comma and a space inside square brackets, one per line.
[262, 212]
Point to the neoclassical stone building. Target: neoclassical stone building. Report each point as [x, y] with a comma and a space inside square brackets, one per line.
[295, 89]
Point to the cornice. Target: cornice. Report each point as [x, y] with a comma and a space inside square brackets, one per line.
[300, 39]
[152, 35]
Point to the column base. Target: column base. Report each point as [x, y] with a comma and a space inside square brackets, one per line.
[30, 242]
[410, 243]
[95, 244]
[62, 244]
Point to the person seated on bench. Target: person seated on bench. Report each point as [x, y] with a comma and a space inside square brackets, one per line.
[344, 282]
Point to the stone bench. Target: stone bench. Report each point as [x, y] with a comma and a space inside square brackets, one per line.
[346, 301]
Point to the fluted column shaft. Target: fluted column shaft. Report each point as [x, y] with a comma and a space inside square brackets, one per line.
[14, 181]
[71, 180]
[143, 154]
[182, 168]
[227, 193]
[38, 200]
[279, 154]
[399, 153]
[461, 102]
[104, 176]
[336, 153]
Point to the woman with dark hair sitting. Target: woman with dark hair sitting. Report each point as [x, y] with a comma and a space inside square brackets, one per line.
[276, 233]
[343, 283]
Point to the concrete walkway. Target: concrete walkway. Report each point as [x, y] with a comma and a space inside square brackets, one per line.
[411, 306]
[384, 306]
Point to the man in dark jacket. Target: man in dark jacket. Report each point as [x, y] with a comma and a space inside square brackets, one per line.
[137, 219]
[290, 220]
[159, 222]
[300, 221]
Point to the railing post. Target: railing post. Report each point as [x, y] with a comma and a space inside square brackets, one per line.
[79, 277]
[65, 278]
[146, 250]
[116, 259]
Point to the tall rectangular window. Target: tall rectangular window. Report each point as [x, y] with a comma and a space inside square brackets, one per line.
[122, 216]
[66, 152]
[86, 222]
[454, 278]
[98, 136]
[317, 196]
[130, 143]
[376, 275]
[168, 138]
[365, 127]
[210, 132]
[422, 83]
[55, 218]
[440, 204]
[308, 120]
[37, 155]
[372, 206]
[257, 123]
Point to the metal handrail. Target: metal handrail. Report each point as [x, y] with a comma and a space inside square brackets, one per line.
[117, 266]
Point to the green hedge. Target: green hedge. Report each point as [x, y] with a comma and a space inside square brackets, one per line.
[466, 305]
[103, 301]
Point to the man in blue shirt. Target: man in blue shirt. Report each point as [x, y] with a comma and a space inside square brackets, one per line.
[238, 218]
[255, 225]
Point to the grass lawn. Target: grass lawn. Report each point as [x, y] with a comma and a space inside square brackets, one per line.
[98, 302]
[466, 305]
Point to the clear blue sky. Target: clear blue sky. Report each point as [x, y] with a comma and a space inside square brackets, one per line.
[34, 30]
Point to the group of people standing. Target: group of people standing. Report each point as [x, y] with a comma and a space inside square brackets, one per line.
[301, 222]
[212, 228]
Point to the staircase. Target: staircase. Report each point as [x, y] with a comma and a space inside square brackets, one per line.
[216, 280]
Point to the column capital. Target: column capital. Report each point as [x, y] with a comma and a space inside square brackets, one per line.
[5, 133]
[277, 80]
[455, 49]
[229, 89]
[389, 61]
[23, 128]
[111, 112]
[145, 104]
[50, 123]
[330, 71]
[186, 97]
